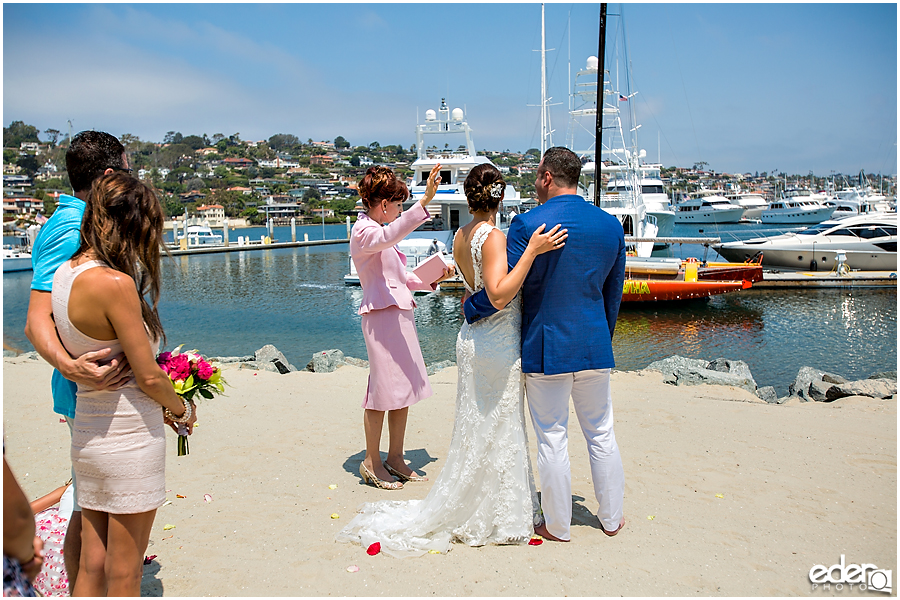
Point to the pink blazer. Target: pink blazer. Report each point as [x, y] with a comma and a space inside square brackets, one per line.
[381, 266]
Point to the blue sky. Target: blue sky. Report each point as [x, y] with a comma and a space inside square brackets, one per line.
[743, 87]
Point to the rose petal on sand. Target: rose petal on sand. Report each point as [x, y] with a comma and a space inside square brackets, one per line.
[720, 495]
[374, 549]
[171, 536]
[180, 496]
[651, 517]
[335, 516]
[352, 569]
[536, 541]
[149, 559]
[332, 487]
[168, 526]
[167, 502]
[434, 552]
[207, 497]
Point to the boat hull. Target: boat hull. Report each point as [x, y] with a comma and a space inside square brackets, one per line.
[801, 257]
[665, 220]
[16, 263]
[654, 290]
[752, 214]
[729, 215]
[797, 217]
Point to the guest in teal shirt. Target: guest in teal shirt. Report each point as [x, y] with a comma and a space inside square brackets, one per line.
[90, 155]
[56, 242]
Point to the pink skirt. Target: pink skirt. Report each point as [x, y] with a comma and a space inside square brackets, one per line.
[397, 376]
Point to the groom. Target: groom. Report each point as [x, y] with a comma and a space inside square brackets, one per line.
[570, 302]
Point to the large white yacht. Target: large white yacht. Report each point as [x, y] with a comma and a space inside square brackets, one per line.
[795, 211]
[449, 209]
[655, 199]
[707, 206]
[622, 197]
[753, 203]
[868, 241]
[859, 200]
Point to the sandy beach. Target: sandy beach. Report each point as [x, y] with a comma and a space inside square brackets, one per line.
[724, 494]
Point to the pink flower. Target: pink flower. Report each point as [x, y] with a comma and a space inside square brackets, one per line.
[204, 370]
[179, 368]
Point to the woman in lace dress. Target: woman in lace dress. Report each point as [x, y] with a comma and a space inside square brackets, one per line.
[118, 440]
[485, 493]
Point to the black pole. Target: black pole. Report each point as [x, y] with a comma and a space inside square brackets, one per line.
[601, 52]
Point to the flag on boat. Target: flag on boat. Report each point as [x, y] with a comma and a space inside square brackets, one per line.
[622, 98]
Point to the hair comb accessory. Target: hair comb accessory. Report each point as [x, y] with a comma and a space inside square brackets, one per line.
[496, 190]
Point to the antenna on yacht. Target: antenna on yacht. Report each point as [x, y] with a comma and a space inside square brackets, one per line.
[598, 132]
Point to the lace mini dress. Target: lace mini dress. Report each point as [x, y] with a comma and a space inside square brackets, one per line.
[118, 438]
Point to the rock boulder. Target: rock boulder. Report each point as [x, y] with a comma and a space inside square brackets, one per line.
[679, 370]
[326, 361]
[269, 354]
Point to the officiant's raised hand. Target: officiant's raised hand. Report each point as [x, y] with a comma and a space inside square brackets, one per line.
[434, 180]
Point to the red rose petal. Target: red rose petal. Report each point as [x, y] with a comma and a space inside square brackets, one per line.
[374, 549]
[535, 542]
[149, 559]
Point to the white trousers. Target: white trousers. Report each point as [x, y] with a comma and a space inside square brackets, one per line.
[548, 402]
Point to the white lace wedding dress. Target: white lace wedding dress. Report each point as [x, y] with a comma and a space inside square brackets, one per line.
[485, 493]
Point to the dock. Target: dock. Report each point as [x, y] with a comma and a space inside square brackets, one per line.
[252, 246]
[816, 279]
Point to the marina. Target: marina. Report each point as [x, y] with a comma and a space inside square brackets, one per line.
[230, 304]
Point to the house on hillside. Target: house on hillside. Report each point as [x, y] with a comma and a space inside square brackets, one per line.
[237, 163]
[191, 196]
[213, 213]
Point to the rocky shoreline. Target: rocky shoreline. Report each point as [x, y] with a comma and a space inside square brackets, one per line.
[810, 384]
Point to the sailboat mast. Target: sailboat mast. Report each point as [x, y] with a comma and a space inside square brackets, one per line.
[543, 86]
[601, 55]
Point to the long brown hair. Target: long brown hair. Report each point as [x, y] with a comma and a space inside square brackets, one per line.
[123, 226]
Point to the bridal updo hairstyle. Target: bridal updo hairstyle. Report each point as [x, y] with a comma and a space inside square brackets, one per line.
[123, 225]
[484, 188]
[380, 183]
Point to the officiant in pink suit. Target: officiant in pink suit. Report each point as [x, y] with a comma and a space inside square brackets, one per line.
[397, 377]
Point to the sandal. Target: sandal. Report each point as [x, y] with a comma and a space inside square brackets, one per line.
[403, 477]
[368, 477]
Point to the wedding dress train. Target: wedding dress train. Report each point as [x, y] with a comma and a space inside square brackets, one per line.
[485, 493]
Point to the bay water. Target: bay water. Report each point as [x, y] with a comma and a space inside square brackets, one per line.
[231, 304]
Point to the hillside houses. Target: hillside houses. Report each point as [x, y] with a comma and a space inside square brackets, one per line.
[284, 177]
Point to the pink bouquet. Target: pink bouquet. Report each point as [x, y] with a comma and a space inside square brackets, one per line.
[190, 374]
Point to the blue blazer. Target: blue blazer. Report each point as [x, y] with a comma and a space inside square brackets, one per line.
[571, 297]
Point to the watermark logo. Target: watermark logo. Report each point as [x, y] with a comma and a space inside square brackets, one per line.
[865, 577]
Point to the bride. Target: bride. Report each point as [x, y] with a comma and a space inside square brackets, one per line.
[485, 493]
